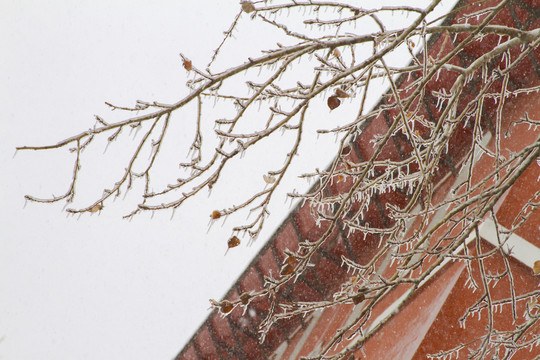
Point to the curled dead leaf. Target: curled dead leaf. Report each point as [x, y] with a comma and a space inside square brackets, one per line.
[287, 269]
[358, 298]
[341, 94]
[215, 215]
[244, 298]
[187, 65]
[291, 259]
[333, 102]
[536, 267]
[226, 306]
[233, 242]
[96, 208]
[247, 7]
[269, 179]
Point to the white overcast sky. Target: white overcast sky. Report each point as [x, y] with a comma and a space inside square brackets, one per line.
[99, 287]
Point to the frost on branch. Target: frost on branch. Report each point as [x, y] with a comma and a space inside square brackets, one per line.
[441, 116]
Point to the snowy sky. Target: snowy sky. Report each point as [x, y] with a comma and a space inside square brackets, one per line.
[96, 286]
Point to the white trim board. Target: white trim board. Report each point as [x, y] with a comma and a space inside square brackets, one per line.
[514, 245]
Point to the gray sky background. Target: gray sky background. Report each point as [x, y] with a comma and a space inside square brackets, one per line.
[96, 286]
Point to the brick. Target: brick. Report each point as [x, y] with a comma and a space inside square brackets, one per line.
[260, 304]
[287, 239]
[222, 331]
[364, 246]
[252, 348]
[330, 274]
[206, 345]
[303, 292]
[307, 226]
[188, 354]
[337, 248]
[274, 337]
[267, 264]
[342, 185]
[377, 127]
[251, 281]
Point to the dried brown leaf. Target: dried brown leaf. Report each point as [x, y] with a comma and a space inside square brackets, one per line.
[226, 306]
[247, 6]
[536, 267]
[287, 269]
[333, 102]
[358, 298]
[269, 179]
[346, 151]
[341, 94]
[233, 242]
[245, 297]
[291, 259]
